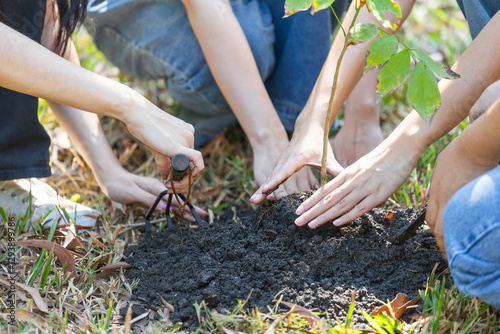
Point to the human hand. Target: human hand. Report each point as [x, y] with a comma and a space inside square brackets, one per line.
[165, 136]
[453, 169]
[361, 186]
[127, 188]
[264, 161]
[305, 148]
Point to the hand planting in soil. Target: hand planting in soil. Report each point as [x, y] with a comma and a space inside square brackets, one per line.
[264, 255]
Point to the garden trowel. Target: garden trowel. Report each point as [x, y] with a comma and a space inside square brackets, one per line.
[410, 230]
[179, 167]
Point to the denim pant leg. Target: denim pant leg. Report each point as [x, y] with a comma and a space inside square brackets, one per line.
[153, 39]
[471, 228]
[302, 45]
[478, 13]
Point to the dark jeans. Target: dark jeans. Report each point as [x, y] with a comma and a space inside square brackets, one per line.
[24, 144]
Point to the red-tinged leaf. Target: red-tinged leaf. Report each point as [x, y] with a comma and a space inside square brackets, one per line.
[318, 5]
[60, 252]
[311, 318]
[378, 9]
[362, 32]
[380, 51]
[439, 69]
[423, 91]
[294, 6]
[397, 307]
[394, 72]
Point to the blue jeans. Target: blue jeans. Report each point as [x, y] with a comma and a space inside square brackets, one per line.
[471, 229]
[152, 39]
[478, 13]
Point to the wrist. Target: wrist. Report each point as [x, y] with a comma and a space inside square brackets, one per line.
[271, 133]
[125, 105]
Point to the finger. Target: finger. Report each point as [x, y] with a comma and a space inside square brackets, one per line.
[180, 186]
[278, 176]
[290, 186]
[431, 213]
[163, 164]
[440, 243]
[147, 199]
[357, 211]
[319, 194]
[304, 179]
[280, 192]
[333, 205]
[196, 159]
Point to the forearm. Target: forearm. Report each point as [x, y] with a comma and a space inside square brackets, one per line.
[478, 67]
[86, 134]
[51, 77]
[481, 140]
[232, 64]
[351, 69]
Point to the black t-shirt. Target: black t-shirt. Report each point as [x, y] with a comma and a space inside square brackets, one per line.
[24, 144]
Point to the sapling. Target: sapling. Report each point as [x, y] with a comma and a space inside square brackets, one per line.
[423, 92]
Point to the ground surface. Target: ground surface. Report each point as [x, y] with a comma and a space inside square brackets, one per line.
[266, 254]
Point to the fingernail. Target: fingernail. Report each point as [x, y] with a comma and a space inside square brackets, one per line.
[313, 223]
[299, 221]
[163, 206]
[253, 197]
[337, 222]
[299, 211]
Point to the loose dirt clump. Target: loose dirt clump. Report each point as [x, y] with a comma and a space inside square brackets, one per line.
[264, 255]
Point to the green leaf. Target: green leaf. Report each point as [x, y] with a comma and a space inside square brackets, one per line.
[378, 8]
[294, 6]
[439, 69]
[52, 230]
[46, 271]
[423, 91]
[394, 72]
[318, 5]
[380, 51]
[3, 215]
[362, 32]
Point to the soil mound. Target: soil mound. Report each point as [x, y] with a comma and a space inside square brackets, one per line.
[265, 255]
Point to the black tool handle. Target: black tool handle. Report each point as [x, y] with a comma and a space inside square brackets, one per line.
[179, 166]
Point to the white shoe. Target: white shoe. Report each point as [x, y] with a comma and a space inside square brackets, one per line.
[15, 198]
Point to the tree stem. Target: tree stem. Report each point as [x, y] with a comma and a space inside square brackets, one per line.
[324, 178]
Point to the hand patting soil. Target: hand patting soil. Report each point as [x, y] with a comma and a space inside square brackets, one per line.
[264, 253]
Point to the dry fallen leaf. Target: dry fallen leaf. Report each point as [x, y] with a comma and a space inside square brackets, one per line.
[39, 302]
[128, 319]
[33, 318]
[311, 318]
[60, 252]
[397, 307]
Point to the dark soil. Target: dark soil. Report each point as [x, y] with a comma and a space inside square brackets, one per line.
[265, 255]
